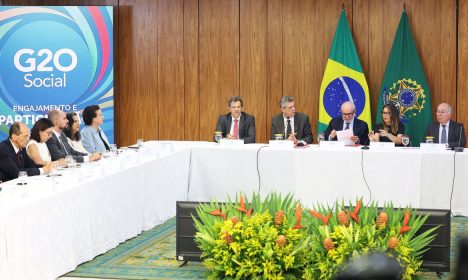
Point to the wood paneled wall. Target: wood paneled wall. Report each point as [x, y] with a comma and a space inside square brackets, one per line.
[178, 61]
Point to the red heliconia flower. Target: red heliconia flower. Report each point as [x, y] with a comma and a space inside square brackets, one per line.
[320, 216]
[298, 217]
[405, 226]
[218, 213]
[242, 204]
[356, 211]
[327, 218]
[249, 212]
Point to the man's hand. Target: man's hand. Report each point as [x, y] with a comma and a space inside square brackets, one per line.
[355, 139]
[230, 136]
[293, 138]
[332, 134]
[95, 156]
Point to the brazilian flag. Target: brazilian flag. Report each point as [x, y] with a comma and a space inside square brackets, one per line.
[405, 86]
[343, 79]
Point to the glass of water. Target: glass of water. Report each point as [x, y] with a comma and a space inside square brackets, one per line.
[429, 139]
[22, 175]
[113, 148]
[218, 135]
[405, 140]
[278, 136]
[140, 143]
[320, 137]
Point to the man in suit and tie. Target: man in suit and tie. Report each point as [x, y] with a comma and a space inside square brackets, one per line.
[58, 144]
[292, 125]
[347, 120]
[446, 131]
[13, 156]
[237, 124]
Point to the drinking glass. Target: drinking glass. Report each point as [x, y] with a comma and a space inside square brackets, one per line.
[69, 160]
[320, 137]
[113, 149]
[429, 139]
[218, 135]
[22, 175]
[279, 136]
[405, 140]
[140, 143]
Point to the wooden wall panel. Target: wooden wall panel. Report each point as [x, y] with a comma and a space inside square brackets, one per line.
[138, 55]
[177, 62]
[274, 62]
[170, 65]
[252, 54]
[191, 66]
[462, 86]
[219, 60]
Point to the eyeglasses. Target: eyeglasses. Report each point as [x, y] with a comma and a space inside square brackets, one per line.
[385, 113]
[347, 114]
[49, 133]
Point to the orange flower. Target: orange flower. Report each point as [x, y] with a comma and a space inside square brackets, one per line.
[356, 211]
[218, 213]
[405, 226]
[242, 204]
[298, 217]
[320, 216]
[249, 212]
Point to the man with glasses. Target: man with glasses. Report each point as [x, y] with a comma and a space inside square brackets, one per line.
[446, 131]
[13, 156]
[292, 125]
[346, 121]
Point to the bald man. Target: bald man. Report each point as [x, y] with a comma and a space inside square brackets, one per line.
[446, 131]
[13, 156]
[348, 120]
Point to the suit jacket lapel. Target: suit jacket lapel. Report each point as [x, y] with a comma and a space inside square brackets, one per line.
[451, 132]
[15, 158]
[296, 125]
[436, 133]
[241, 126]
[228, 123]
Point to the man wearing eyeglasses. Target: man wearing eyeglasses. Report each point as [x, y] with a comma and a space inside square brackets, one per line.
[446, 131]
[13, 156]
[346, 121]
[292, 125]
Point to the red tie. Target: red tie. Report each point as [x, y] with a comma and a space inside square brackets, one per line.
[236, 129]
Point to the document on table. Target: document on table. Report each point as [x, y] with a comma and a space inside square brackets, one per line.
[345, 136]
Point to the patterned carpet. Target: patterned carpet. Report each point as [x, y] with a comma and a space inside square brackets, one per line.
[151, 255]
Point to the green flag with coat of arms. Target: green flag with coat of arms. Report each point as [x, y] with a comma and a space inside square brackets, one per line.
[405, 86]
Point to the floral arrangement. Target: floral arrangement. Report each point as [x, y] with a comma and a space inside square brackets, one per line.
[273, 239]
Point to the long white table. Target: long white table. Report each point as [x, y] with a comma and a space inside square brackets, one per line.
[50, 226]
[403, 176]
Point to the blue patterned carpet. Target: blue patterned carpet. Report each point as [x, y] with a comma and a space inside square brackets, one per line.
[151, 255]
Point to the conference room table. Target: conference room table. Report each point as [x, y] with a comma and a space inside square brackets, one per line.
[53, 224]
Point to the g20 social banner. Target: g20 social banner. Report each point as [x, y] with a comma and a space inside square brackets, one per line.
[55, 57]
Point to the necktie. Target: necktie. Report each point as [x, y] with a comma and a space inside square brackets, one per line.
[288, 128]
[443, 137]
[236, 129]
[104, 142]
[20, 158]
[63, 145]
[347, 126]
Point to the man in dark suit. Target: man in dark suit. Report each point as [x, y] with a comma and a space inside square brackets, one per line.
[446, 131]
[58, 144]
[292, 125]
[237, 124]
[13, 156]
[347, 120]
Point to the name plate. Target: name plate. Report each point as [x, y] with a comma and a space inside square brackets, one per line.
[281, 144]
[231, 143]
[382, 146]
[432, 147]
[332, 145]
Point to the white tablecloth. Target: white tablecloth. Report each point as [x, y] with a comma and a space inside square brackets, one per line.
[403, 176]
[49, 227]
